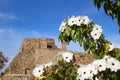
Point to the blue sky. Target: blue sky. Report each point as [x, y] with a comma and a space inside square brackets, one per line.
[21, 19]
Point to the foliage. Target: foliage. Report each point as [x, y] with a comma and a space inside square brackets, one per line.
[62, 68]
[89, 35]
[111, 75]
[3, 60]
[62, 71]
[83, 34]
[111, 7]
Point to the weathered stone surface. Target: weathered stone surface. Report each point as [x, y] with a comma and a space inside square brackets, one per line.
[35, 51]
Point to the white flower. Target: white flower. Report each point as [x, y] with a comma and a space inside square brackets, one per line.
[95, 34]
[48, 64]
[97, 28]
[72, 21]
[38, 71]
[67, 56]
[82, 73]
[62, 26]
[100, 64]
[93, 69]
[78, 21]
[85, 20]
[111, 47]
[96, 31]
[85, 72]
[113, 64]
[106, 57]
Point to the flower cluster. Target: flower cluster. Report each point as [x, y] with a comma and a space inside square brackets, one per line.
[96, 31]
[74, 20]
[84, 71]
[86, 32]
[39, 69]
[78, 21]
[88, 71]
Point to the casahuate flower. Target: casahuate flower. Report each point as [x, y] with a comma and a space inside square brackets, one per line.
[38, 71]
[85, 72]
[95, 34]
[62, 26]
[97, 28]
[100, 64]
[67, 56]
[72, 21]
[85, 20]
[113, 64]
[78, 21]
[93, 69]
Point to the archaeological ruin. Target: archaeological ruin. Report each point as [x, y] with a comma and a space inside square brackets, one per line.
[34, 51]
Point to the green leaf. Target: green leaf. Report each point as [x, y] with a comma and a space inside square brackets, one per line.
[118, 20]
[80, 42]
[75, 37]
[99, 4]
[105, 8]
[118, 3]
[67, 31]
[72, 34]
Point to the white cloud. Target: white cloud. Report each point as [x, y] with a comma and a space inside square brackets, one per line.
[6, 16]
[9, 41]
[4, 32]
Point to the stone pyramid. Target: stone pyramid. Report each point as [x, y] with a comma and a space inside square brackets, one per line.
[35, 51]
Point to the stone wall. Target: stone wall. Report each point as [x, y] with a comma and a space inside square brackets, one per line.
[35, 51]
